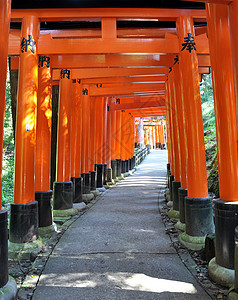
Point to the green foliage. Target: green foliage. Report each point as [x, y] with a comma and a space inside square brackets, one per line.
[8, 152]
[209, 133]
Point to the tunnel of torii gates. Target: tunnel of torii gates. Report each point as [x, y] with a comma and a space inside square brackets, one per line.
[107, 77]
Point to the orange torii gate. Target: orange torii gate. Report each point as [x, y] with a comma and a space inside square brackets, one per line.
[95, 67]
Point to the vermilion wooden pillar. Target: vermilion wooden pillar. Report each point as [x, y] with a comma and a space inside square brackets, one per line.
[105, 115]
[224, 100]
[85, 147]
[76, 140]
[198, 206]
[113, 140]
[174, 127]
[92, 155]
[118, 133]
[169, 128]
[108, 139]
[63, 187]
[43, 194]
[233, 25]
[123, 139]
[99, 167]
[22, 228]
[5, 9]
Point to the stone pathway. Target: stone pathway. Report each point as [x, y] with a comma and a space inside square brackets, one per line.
[119, 249]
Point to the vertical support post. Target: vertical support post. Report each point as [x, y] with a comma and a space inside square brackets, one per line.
[99, 167]
[92, 156]
[76, 140]
[24, 210]
[141, 134]
[226, 208]
[43, 194]
[63, 187]
[182, 191]
[198, 206]
[123, 140]
[233, 25]
[113, 141]
[5, 9]
[118, 142]
[108, 143]
[85, 148]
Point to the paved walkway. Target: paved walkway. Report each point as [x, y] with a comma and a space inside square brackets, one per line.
[118, 249]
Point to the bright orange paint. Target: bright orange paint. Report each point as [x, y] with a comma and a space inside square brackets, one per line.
[113, 130]
[24, 188]
[99, 129]
[104, 149]
[174, 118]
[63, 164]
[108, 139]
[123, 135]
[181, 127]
[92, 151]
[188, 63]
[224, 100]
[76, 129]
[85, 128]
[5, 11]
[118, 133]
[169, 129]
[43, 128]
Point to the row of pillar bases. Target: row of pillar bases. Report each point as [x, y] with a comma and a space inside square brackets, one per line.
[27, 218]
[199, 218]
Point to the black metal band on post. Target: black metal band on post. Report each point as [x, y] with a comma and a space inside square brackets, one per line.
[62, 195]
[119, 167]
[171, 179]
[123, 166]
[175, 186]
[23, 222]
[105, 174]
[77, 189]
[99, 175]
[182, 193]
[86, 183]
[109, 174]
[199, 216]
[3, 248]
[226, 220]
[45, 215]
[127, 165]
[93, 180]
[114, 168]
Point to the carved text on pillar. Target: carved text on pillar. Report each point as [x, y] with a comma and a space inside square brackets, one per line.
[85, 92]
[42, 60]
[28, 43]
[65, 73]
[189, 43]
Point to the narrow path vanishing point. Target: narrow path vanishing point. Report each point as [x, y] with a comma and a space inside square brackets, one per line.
[119, 249]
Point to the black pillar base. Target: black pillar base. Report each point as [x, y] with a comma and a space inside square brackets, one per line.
[99, 175]
[77, 189]
[93, 180]
[45, 215]
[105, 174]
[62, 195]
[182, 193]
[133, 162]
[3, 248]
[123, 166]
[119, 167]
[23, 222]
[114, 168]
[127, 165]
[171, 179]
[109, 175]
[199, 216]
[168, 173]
[175, 186]
[86, 183]
[226, 220]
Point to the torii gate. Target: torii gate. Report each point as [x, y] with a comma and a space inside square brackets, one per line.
[90, 67]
